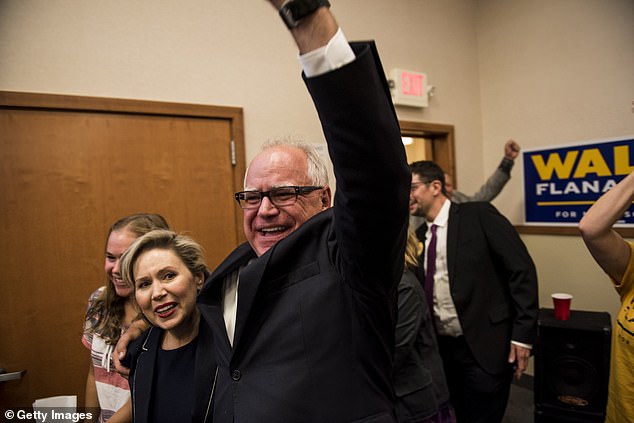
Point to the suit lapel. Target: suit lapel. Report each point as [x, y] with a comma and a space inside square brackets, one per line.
[452, 239]
[237, 258]
[143, 386]
[205, 375]
[211, 296]
[421, 231]
[250, 278]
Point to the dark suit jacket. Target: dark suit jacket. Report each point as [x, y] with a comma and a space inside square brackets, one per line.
[141, 359]
[493, 282]
[419, 378]
[314, 334]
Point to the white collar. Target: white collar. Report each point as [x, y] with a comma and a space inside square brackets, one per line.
[442, 217]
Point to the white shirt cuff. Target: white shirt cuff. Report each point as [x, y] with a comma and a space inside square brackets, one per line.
[528, 346]
[335, 54]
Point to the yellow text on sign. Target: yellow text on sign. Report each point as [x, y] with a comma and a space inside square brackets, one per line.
[591, 161]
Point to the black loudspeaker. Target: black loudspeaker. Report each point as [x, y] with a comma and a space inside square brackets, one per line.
[572, 366]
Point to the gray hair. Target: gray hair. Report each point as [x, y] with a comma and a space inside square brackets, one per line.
[316, 171]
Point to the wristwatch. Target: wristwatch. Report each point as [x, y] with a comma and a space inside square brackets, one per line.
[292, 11]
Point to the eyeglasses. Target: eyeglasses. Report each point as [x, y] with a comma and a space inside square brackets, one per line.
[280, 196]
[415, 185]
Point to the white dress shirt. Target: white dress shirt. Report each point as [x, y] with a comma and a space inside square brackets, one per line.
[445, 314]
[230, 303]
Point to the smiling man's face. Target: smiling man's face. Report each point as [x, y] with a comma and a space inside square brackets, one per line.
[275, 167]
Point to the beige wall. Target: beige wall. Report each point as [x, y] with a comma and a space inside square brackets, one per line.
[556, 72]
[234, 53]
[544, 72]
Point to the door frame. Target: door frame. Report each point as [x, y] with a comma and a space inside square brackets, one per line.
[439, 142]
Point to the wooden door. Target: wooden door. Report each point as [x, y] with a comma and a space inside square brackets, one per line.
[71, 166]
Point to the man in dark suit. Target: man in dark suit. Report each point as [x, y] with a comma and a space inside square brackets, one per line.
[303, 314]
[483, 286]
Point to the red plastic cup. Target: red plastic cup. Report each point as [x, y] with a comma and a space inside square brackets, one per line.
[562, 302]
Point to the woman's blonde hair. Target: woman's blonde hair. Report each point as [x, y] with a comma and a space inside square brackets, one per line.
[187, 250]
[411, 251]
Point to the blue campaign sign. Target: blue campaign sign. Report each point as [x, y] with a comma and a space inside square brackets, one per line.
[560, 184]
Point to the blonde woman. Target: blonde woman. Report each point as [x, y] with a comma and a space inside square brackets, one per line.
[167, 270]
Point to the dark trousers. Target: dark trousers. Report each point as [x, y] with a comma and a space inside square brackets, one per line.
[477, 396]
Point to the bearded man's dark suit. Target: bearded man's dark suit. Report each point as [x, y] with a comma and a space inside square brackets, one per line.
[314, 333]
[493, 283]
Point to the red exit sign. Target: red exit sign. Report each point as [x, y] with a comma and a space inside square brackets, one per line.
[412, 83]
[409, 88]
